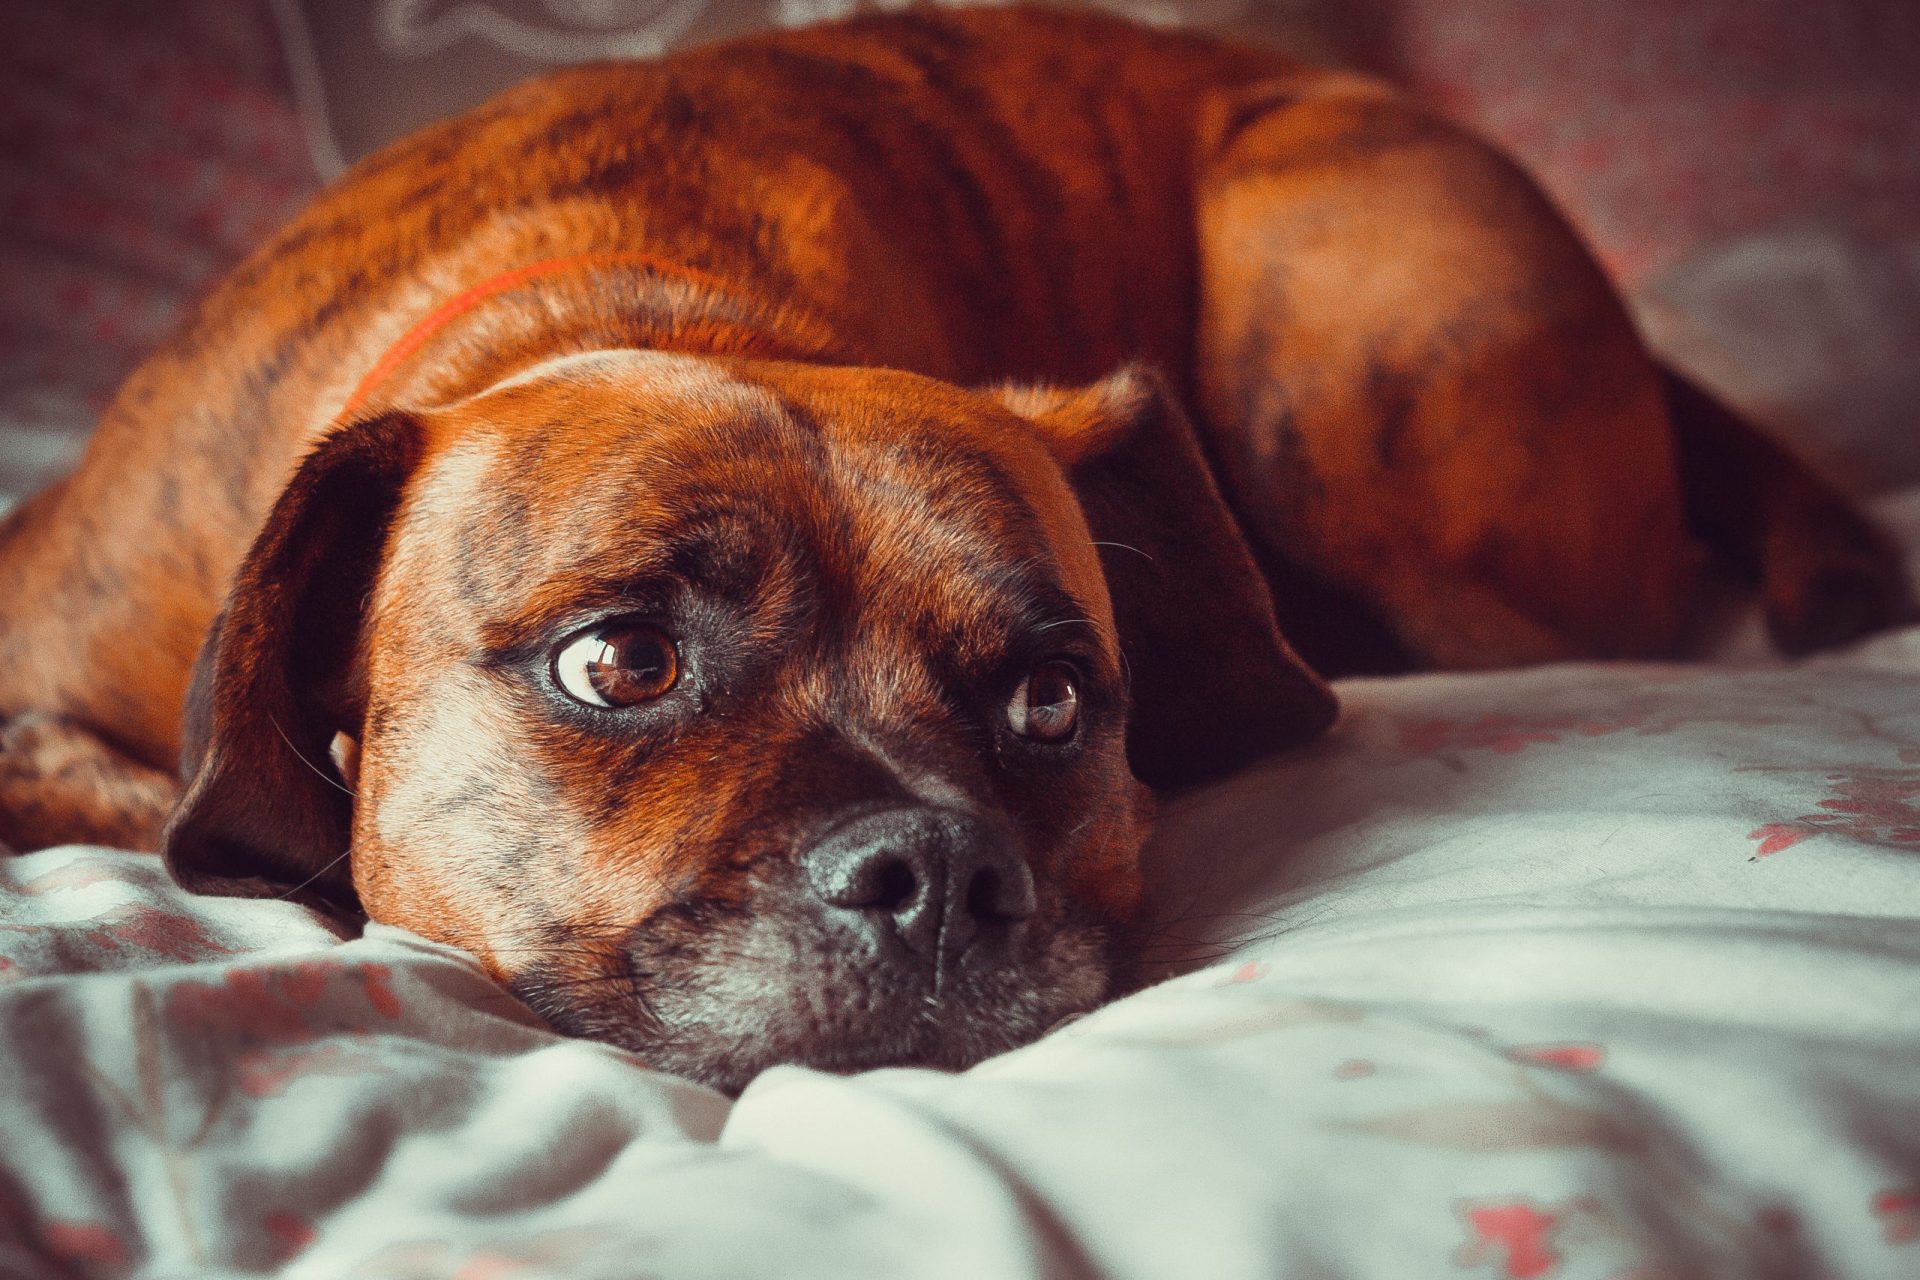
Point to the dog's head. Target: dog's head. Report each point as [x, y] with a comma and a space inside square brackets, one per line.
[740, 713]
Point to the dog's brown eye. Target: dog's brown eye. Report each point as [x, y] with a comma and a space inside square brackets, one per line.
[617, 665]
[1046, 706]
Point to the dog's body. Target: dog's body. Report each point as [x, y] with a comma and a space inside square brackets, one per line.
[1418, 394]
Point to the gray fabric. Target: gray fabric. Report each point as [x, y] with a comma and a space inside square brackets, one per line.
[370, 71]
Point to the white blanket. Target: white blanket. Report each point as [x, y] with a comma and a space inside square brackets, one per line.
[1580, 972]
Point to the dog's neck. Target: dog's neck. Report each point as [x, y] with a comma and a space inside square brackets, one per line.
[585, 302]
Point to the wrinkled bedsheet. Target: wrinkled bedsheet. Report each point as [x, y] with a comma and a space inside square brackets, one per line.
[1576, 973]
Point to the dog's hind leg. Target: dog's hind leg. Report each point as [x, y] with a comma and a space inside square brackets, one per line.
[1826, 575]
[61, 784]
[1428, 404]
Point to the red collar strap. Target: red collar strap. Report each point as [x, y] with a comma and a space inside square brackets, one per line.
[467, 299]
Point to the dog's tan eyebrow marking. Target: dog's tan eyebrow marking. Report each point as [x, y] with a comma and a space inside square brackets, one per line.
[1023, 620]
[677, 376]
[717, 563]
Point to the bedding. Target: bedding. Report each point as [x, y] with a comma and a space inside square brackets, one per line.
[1577, 972]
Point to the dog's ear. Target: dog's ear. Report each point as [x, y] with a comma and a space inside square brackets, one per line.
[1215, 684]
[263, 812]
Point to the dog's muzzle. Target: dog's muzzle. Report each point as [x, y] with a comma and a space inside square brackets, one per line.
[903, 935]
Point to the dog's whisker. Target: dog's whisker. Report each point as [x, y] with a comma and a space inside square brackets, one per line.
[323, 775]
[1127, 546]
[343, 856]
[1070, 622]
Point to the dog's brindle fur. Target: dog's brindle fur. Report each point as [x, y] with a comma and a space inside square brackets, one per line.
[740, 414]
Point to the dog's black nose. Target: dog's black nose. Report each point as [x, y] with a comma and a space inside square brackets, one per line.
[939, 879]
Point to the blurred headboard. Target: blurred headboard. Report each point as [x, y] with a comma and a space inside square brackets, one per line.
[369, 71]
[1748, 169]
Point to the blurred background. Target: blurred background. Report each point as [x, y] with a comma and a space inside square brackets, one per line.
[1748, 169]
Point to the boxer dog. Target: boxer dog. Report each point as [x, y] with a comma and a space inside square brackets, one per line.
[678, 533]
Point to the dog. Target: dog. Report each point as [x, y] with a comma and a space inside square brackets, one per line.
[737, 542]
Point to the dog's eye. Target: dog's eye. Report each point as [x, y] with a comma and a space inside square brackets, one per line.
[617, 664]
[1046, 706]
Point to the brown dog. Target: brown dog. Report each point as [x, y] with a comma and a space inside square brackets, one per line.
[613, 560]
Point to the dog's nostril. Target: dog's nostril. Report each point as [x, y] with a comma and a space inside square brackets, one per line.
[866, 880]
[894, 885]
[994, 895]
[983, 895]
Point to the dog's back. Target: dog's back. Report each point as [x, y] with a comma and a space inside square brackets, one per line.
[976, 196]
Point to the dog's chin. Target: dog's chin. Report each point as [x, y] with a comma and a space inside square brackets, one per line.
[721, 1023]
[947, 1039]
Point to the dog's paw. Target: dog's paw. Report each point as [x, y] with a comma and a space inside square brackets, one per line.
[1832, 577]
[60, 784]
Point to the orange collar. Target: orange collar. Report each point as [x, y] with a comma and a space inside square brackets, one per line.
[467, 299]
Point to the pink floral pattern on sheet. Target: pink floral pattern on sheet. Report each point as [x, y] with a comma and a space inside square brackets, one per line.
[83, 1244]
[1569, 1056]
[1898, 1209]
[261, 1029]
[1875, 805]
[117, 934]
[161, 933]
[266, 1073]
[277, 1005]
[69, 1244]
[275, 1020]
[255, 1004]
[289, 1232]
[127, 930]
[1870, 802]
[1777, 1220]
[1251, 971]
[1516, 1237]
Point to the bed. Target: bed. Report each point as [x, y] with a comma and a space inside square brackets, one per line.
[1577, 972]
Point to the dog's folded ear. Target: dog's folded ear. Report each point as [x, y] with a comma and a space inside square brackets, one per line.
[1214, 683]
[262, 812]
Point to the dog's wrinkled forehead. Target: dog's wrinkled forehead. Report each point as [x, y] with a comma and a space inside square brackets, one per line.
[863, 491]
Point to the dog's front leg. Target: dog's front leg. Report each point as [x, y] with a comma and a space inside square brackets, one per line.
[61, 784]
